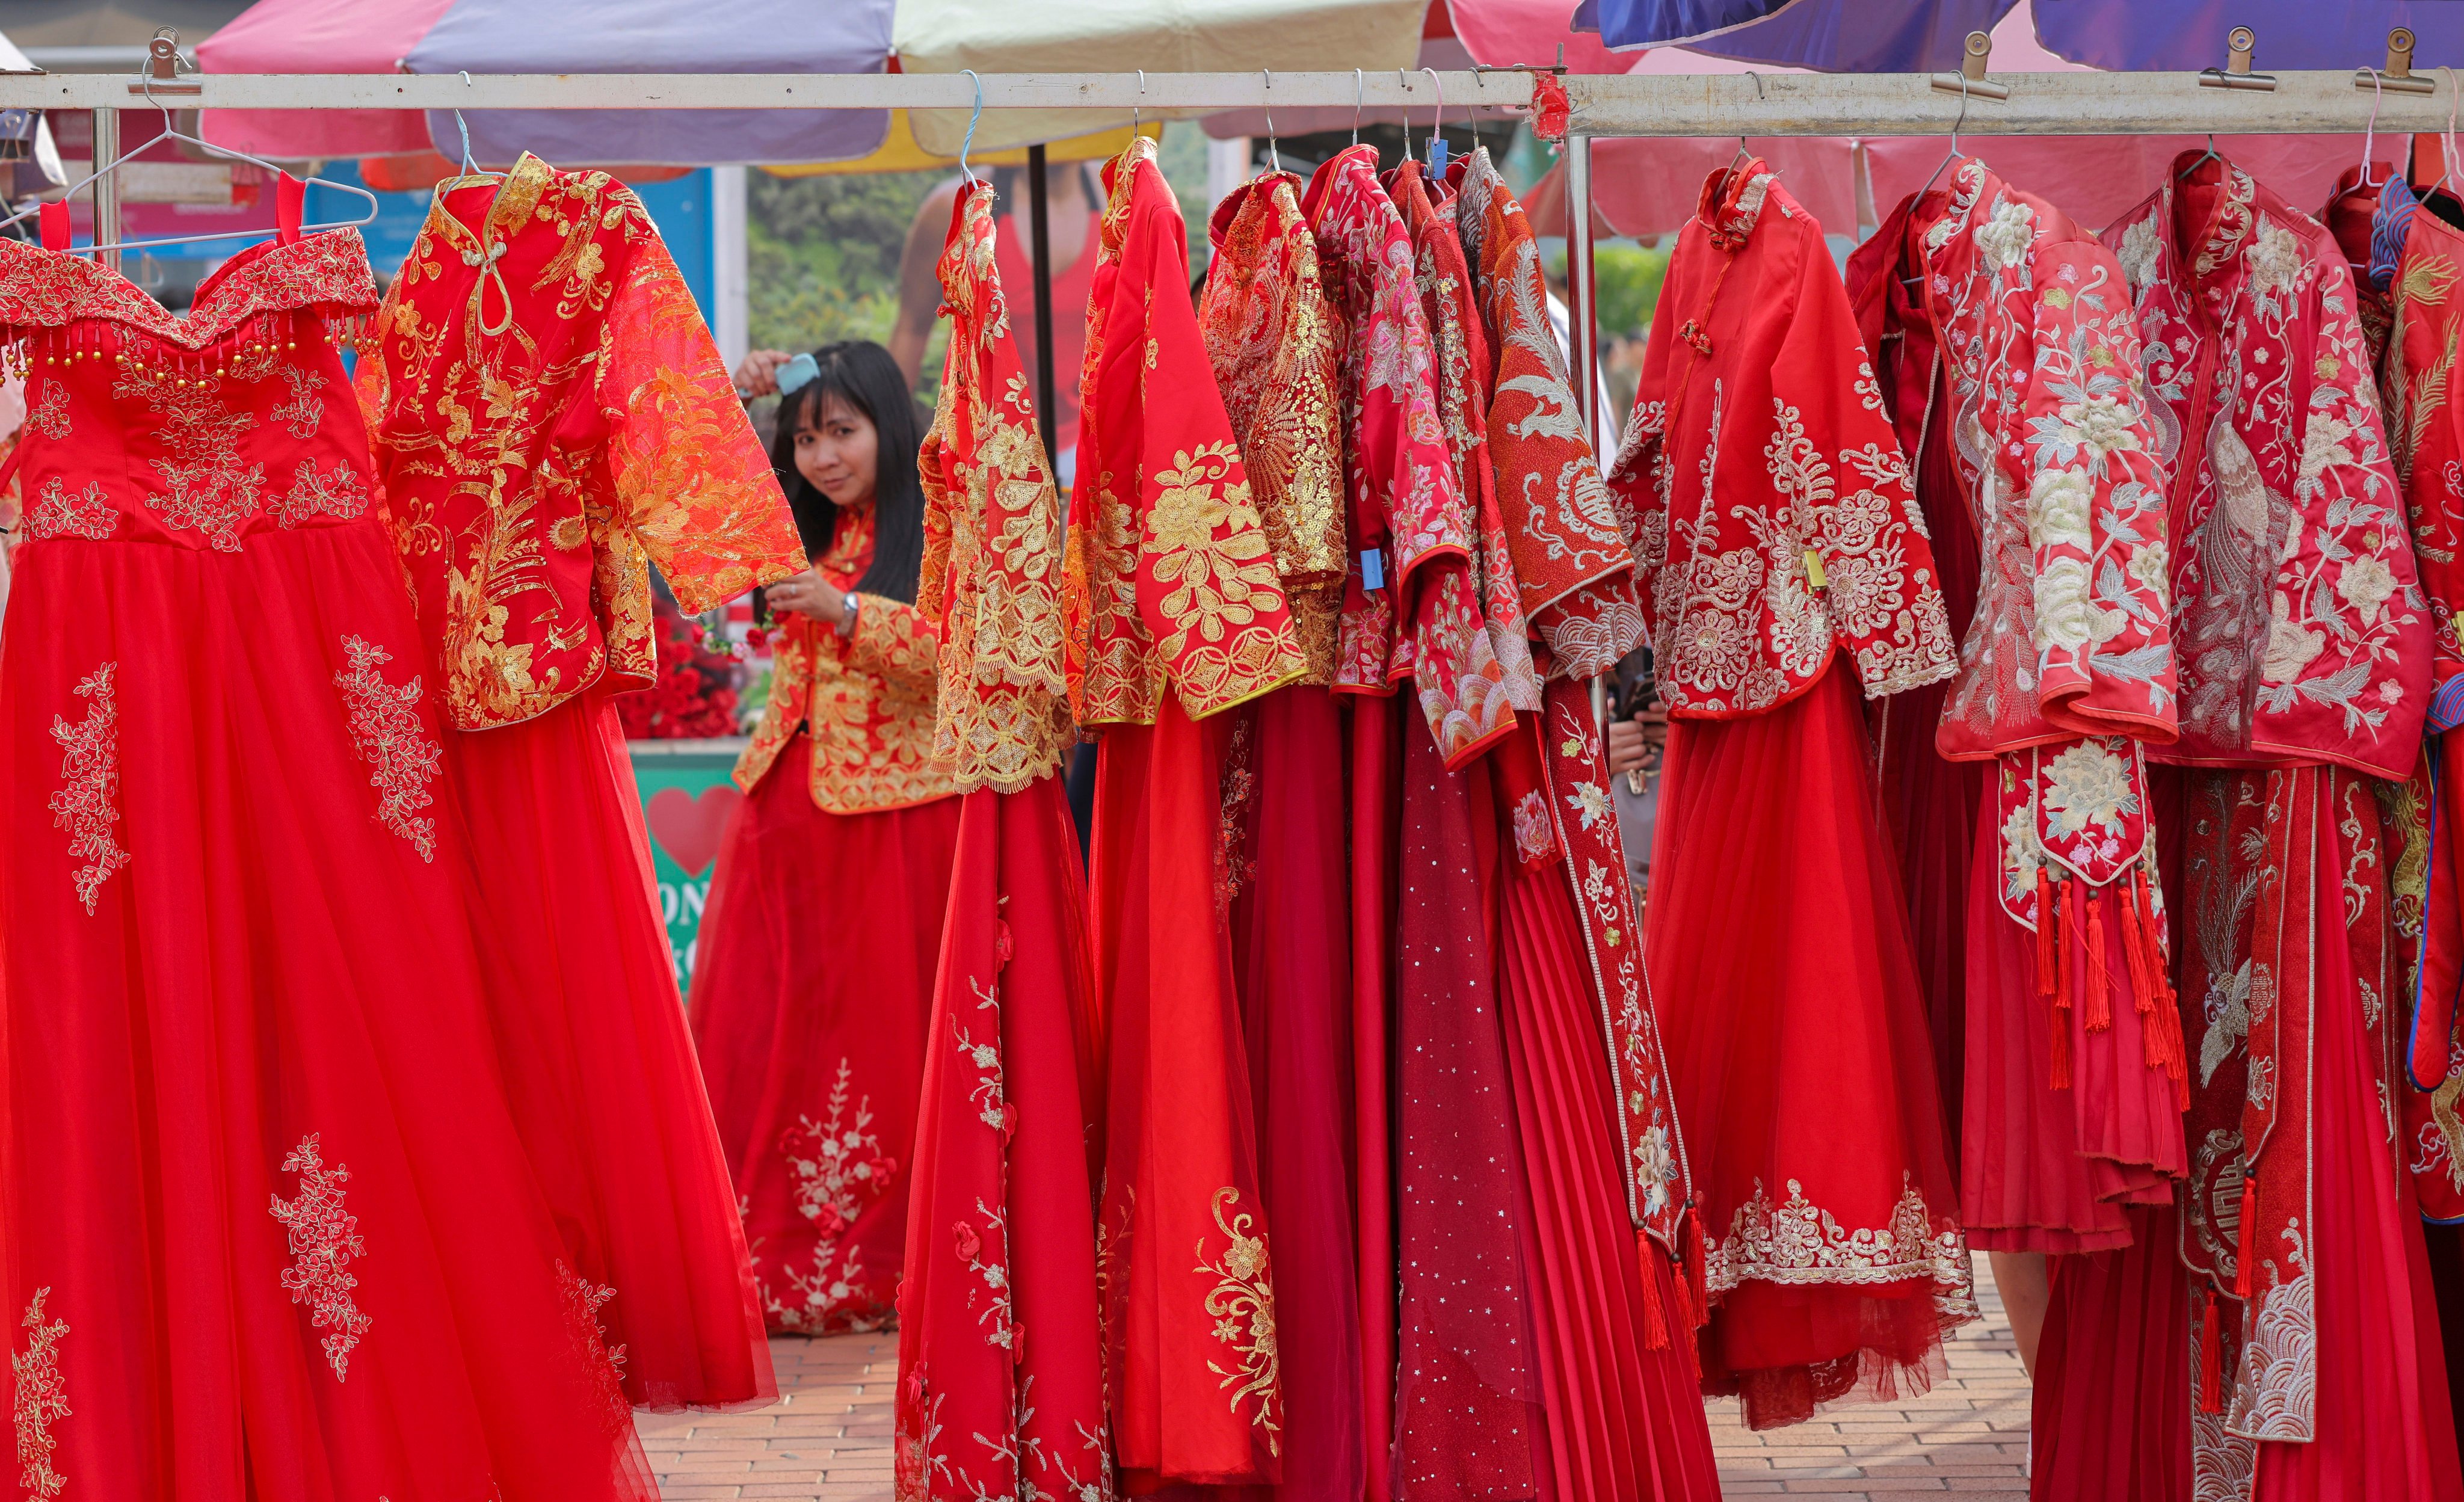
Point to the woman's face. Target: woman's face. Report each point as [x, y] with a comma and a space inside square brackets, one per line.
[837, 452]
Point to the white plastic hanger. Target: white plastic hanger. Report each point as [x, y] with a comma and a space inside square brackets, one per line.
[165, 48]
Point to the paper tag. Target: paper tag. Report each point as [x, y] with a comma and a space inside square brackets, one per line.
[1437, 156]
[1372, 570]
[1813, 569]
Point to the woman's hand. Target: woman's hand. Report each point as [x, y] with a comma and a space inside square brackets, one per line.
[809, 594]
[1635, 744]
[759, 375]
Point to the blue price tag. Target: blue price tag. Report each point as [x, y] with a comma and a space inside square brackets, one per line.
[1437, 156]
[1372, 570]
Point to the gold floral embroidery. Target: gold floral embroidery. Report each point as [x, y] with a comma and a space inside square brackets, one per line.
[315, 491]
[603, 1365]
[48, 416]
[206, 487]
[42, 1400]
[387, 732]
[1238, 783]
[48, 289]
[87, 803]
[1243, 1303]
[301, 414]
[837, 1171]
[1800, 1243]
[324, 1237]
[86, 513]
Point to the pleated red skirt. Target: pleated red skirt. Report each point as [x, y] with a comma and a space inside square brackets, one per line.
[600, 1067]
[811, 990]
[1795, 1034]
[272, 1234]
[1625, 1416]
[2041, 1168]
[2112, 1417]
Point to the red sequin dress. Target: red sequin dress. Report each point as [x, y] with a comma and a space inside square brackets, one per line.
[272, 1230]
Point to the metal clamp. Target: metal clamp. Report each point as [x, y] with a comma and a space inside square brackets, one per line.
[162, 68]
[1971, 80]
[2235, 74]
[2398, 76]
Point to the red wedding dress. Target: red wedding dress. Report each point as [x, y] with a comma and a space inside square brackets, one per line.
[1001, 1390]
[1175, 616]
[1786, 571]
[818, 947]
[550, 418]
[271, 1232]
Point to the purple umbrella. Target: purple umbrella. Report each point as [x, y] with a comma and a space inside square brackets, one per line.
[660, 36]
[1925, 36]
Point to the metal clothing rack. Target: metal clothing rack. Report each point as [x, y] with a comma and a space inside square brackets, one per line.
[2230, 98]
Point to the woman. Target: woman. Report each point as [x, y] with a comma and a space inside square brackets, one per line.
[815, 978]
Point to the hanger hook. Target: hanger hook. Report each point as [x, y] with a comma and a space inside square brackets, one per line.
[2370, 131]
[1359, 86]
[1437, 117]
[969, 143]
[1274, 158]
[1142, 93]
[470, 167]
[2446, 162]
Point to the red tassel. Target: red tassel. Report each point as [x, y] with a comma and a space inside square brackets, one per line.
[1694, 1289]
[1655, 1323]
[2248, 1249]
[2134, 944]
[2044, 934]
[2211, 1358]
[2161, 1036]
[2099, 1007]
[2062, 1009]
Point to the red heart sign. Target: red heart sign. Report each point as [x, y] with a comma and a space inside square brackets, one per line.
[689, 828]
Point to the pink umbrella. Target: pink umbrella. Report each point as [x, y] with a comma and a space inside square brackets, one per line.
[319, 36]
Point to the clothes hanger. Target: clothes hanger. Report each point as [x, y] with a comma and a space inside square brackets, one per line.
[1952, 155]
[1133, 108]
[1359, 82]
[1436, 127]
[968, 145]
[2447, 142]
[1739, 159]
[2212, 154]
[164, 48]
[2370, 132]
[1266, 107]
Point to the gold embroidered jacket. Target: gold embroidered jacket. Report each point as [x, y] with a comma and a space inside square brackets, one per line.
[549, 417]
[866, 699]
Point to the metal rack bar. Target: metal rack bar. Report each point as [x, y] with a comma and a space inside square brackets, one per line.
[1769, 104]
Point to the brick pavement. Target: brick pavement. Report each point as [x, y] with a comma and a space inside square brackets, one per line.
[828, 1440]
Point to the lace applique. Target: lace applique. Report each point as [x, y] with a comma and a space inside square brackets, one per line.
[48, 416]
[1800, 1243]
[206, 488]
[87, 803]
[48, 289]
[301, 414]
[837, 1171]
[337, 492]
[86, 513]
[42, 1400]
[324, 1238]
[603, 1365]
[386, 731]
[1238, 783]
[1243, 1302]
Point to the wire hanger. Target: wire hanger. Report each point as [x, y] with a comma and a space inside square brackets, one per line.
[968, 145]
[2370, 131]
[2212, 154]
[1436, 127]
[1133, 107]
[470, 167]
[1274, 158]
[165, 48]
[1359, 83]
[1738, 160]
[2447, 142]
[1952, 155]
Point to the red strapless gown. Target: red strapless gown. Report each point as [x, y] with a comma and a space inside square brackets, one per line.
[272, 1233]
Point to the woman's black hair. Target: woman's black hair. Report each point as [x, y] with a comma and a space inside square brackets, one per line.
[861, 374]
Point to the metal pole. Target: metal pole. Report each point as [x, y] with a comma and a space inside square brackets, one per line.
[106, 188]
[1582, 328]
[1040, 238]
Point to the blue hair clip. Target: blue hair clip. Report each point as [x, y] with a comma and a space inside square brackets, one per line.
[796, 374]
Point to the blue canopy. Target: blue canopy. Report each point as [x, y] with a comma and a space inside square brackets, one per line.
[660, 36]
[1925, 35]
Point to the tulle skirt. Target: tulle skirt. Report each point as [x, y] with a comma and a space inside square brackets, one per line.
[602, 1071]
[273, 1235]
[1794, 1027]
[1001, 1390]
[2112, 1414]
[811, 990]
